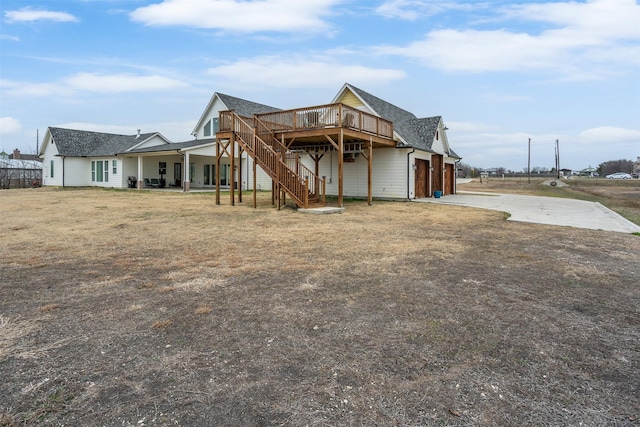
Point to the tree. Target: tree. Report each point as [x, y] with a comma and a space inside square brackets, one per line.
[613, 166]
[467, 170]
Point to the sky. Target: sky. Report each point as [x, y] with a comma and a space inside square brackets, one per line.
[498, 72]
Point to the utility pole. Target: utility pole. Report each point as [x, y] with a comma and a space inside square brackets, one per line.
[529, 163]
[557, 159]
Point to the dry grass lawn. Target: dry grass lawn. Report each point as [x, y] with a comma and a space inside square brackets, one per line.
[158, 308]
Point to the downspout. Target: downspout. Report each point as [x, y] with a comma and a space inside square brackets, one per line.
[455, 176]
[408, 172]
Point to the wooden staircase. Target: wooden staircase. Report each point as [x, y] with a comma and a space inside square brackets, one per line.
[289, 175]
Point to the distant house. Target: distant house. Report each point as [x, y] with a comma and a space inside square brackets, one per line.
[19, 170]
[590, 171]
[357, 146]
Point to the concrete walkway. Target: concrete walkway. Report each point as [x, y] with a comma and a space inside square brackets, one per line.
[543, 210]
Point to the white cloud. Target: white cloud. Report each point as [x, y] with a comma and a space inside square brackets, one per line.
[610, 134]
[239, 16]
[91, 82]
[593, 19]
[411, 10]
[121, 82]
[9, 125]
[30, 89]
[27, 14]
[281, 72]
[10, 38]
[573, 49]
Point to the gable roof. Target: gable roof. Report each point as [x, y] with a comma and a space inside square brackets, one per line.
[174, 146]
[241, 106]
[245, 108]
[414, 132]
[84, 143]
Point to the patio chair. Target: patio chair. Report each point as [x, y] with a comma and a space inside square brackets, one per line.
[155, 182]
[147, 183]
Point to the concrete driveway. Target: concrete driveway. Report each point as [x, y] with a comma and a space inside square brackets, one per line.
[543, 210]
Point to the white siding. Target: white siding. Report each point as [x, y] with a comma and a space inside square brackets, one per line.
[77, 172]
[389, 179]
[154, 141]
[50, 155]
[213, 112]
[437, 146]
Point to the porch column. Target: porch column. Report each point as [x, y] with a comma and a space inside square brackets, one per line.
[185, 181]
[140, 173]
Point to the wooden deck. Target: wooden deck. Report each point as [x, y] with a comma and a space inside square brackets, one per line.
[270, 138]
[310, 126]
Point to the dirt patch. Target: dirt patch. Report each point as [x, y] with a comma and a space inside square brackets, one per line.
[164, 309]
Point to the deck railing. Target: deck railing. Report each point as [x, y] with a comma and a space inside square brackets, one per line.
[321, 116]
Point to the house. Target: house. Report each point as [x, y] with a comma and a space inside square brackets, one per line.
[590, 171]
[357, 146]
[19, 170]
[85, 158]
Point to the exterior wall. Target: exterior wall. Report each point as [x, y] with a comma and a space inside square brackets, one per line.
[50, 155]
[389, 179]
[129, 167]
[263, 182]
[154, 141]
[212, 113]
[77, 172]
[438, 146]
[348, 98]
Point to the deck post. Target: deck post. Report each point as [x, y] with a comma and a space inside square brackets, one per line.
[239, 174]
[341, 168]
[232, 167]
[306, 193]
[370, 172]
[217, 177]
[255, 200]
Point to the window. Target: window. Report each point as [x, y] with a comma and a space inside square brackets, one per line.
[106, 171]
[51, 168]
[209, 174]
[93, 171]
[207, 128]
[216, 125]
[114, 165]
[192, 171]
[99, 171]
